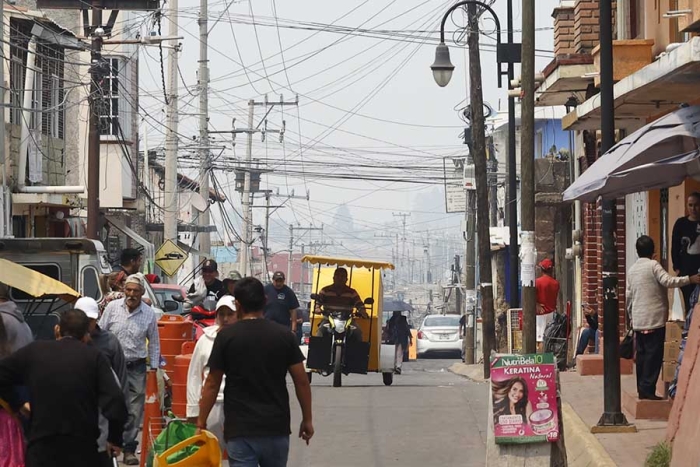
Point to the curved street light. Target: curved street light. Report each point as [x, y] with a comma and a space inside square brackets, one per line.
[443, 67]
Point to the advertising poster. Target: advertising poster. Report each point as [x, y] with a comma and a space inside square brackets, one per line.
[524, 393]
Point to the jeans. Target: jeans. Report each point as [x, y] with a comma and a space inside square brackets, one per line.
[398, 356]
[586, 336]
[263, 451]
[136, 380]
[650, 357]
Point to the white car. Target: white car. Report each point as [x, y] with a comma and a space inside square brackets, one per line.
[439, 333]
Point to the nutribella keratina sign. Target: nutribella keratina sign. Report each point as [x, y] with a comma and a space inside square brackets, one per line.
[524, 392]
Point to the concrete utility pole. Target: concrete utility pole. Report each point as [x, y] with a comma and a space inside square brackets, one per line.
[204, 150]
[470, 276]
[456, 283]
[171, 208]
[482, 193]
[527, 167]
[247, 196]
[93, 159]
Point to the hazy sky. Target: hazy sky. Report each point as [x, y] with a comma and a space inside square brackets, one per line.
[366, 98]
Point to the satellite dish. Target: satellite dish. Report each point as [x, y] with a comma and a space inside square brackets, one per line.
[198, 202]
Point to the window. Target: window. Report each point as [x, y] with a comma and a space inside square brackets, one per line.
[439, 321]
[109, 110]
[91, 283]
[55, 111]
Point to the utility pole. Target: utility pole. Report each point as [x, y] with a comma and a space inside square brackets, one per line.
[512, 191]
[247, 196]
[172, 205]
[204, 150]
[291, 246]
[6, 214]
[93, 175]
[470, 277]
[527, 167]
[456, 282]
[402, 259]
[482, 194]
[612, 406]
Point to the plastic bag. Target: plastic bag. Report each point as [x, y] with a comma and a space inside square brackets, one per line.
[556, 339]
[175, 431]
[11, 439]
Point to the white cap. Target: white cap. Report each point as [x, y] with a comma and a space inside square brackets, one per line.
[226, 300]
[88, 306]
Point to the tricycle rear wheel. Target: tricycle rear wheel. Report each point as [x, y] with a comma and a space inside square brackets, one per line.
[388, 378]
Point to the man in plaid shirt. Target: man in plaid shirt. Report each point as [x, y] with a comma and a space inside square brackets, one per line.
[136, 327]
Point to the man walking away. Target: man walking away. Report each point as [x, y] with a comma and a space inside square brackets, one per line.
[647, 298]
[68, 382]
[18, 332]
[134, 323]
[130, 261]
[255, 355]
[400, 333]
[282, 302]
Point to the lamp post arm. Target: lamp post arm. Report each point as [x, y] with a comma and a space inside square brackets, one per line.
[473, 2]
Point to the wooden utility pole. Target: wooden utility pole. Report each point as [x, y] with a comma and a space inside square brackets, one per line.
[482, 191]
[527, 168]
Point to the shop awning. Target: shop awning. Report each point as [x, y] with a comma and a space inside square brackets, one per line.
[655, 89]
[656, 144]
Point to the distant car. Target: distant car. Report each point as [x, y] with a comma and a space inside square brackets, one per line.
[165, 292]
[439, 333]
[305, 333]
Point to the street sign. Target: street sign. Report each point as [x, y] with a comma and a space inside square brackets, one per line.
[455, 197]
[455, 184]
[170, 257]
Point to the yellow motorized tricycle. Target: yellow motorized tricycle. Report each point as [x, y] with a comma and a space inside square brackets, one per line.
[346, 331]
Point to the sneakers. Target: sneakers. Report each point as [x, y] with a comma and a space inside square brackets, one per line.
[397, 371]
[130, 458]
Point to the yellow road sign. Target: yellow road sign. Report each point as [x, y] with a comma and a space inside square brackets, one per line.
[170, 257]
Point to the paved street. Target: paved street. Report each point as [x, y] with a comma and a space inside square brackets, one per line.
[428, 417]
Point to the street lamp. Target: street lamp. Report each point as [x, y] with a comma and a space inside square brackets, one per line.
[443, 67]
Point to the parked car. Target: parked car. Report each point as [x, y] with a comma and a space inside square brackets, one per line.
[165, 292]
[439, 333]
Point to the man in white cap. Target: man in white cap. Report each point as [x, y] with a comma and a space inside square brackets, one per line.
[108, 344]
[134, 323]
[198, 371]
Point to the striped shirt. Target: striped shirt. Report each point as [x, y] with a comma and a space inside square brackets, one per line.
[340, 298]
[132, 329]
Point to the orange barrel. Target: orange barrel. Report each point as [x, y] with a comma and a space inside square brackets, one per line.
[173, 331]
[182, 365]
[152, 417]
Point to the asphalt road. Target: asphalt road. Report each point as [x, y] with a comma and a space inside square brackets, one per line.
[428, 417]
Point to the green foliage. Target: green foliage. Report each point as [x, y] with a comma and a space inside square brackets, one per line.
[660, 456]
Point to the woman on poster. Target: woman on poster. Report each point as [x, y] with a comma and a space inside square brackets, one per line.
[510, 397]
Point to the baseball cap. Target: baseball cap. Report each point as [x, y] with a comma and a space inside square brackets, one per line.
[88, 306]
[135, 279]
[226, 300]
[546, 264]
[278, 275]
[235, 275]
[210, 266]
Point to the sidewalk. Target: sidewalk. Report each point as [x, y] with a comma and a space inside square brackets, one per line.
[582, 401]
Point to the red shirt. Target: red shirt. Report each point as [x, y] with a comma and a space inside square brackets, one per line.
[547, 289]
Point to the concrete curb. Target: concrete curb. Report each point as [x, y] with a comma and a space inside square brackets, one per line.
[472, 372]
[582, 447]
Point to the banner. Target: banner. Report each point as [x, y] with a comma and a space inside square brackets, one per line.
[524, 394]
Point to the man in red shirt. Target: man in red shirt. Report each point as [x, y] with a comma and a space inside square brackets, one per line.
[547, 291]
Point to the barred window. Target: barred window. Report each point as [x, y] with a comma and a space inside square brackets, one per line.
[109, 108]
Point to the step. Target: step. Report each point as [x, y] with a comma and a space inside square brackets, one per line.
[592, 364]
[645, 409]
